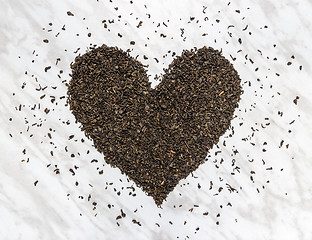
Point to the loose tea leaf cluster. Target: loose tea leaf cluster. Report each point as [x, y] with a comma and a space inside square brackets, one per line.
[155, 136]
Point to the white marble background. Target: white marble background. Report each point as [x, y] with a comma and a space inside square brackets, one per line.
[273, 180]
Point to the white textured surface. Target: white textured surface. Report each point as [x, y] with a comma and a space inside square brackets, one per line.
[277, 204]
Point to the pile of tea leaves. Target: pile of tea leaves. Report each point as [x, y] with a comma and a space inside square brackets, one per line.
[155, 136]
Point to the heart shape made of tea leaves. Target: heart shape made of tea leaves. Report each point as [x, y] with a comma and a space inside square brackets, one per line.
[155, 136]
